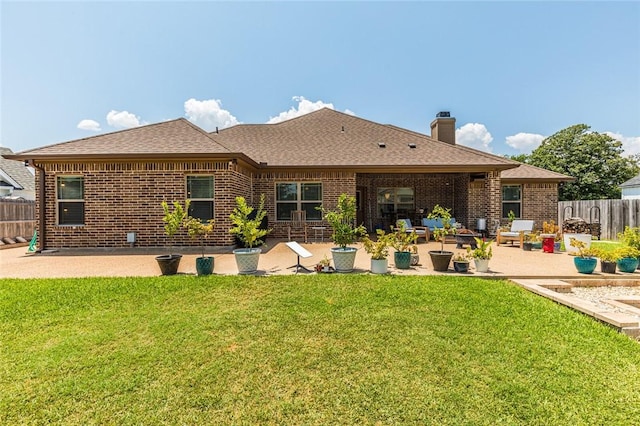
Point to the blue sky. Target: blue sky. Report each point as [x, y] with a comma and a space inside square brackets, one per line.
[510, 72]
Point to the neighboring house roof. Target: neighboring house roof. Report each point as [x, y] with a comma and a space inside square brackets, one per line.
[14, 173]
[328, 138]
[170, 138]
[529, 172]
[633, 182]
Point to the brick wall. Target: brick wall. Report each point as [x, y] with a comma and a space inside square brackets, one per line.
[127, 197]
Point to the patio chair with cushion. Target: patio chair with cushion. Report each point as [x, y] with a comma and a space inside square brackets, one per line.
[519, 227]
[420, 231]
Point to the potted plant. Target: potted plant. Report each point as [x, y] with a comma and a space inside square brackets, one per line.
[442, 258]
[172, 219]
[585, 260]
[324, 265]
[627, 258]
[527, 244]
[197, 229]
[608, 260]
[461, 262]
[481, 254]
[248, 231]
[630, 237]
[345, 232]
[415, 257]
[401, 242]
[379, 251]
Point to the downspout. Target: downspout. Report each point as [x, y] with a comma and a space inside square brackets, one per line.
[43, 204]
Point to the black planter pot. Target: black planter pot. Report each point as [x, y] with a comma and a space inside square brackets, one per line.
[204, 265]
[608, 267]
[527, 246]
[169, 263]
[461, 266]
[441, 260]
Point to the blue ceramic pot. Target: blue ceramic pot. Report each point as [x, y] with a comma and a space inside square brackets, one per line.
[402, 259]
[585, 265]
[627, 264]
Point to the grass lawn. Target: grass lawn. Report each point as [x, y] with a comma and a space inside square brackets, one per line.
[333, 349]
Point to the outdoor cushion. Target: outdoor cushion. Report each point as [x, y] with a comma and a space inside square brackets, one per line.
[433, 223]
[516, 233]
[421, 231]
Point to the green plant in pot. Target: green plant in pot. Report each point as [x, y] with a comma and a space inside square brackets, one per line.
[173, 219]
[379, 251]
[402, 241]
[630, 237]
[442, 258]
[197, 229]
[585, 259]
[627, 258]
[345, 232]
[608, 260]
[481, 254]
[249, 232]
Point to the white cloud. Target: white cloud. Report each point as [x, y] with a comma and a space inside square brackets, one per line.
[630, 144]
[305, 106]
[474, 135]
[525, 142]
[91, 125]
[348, 111]
[208, 114]
[123, 119]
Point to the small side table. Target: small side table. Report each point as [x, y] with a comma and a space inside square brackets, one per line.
[547, 242]
[316, 230]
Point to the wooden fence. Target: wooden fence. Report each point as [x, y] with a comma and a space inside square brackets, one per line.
[17, 218]
[614, 215]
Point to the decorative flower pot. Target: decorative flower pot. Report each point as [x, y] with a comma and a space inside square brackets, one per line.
[440, 260]
[379, 266]
[461, 266]
[247, 259]
[343, 258]
[204, 265]
[627, 264]
[585, 265]
[556, 246]
[169, 263]
[482, 265]
[402, 259]
[415, 259]
[527, 246]
[608, 267]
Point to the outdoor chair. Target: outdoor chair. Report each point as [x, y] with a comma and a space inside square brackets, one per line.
[516, 233]
[420, 231]
[298, 225]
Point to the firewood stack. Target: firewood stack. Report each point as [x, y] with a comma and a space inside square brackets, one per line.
[575, 225]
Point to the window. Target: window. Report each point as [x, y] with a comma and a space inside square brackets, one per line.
[292, 196]
[512, 200]
[70, 200]
[395, 200]
[200, 192]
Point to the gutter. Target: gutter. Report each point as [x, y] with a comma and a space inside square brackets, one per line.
[42, 204]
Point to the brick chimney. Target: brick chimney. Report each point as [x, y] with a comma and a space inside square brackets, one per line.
[443, 128]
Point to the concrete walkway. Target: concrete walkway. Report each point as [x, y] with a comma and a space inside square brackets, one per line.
[507, 262]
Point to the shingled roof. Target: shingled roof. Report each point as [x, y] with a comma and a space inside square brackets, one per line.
[15, 172]
[330, 139]
[167, 139]
[528, 172]
[633, 182]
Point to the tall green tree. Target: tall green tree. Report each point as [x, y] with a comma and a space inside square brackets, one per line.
[596, 161]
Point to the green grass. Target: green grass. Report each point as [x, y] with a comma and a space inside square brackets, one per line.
[337, 349]
[606, 245]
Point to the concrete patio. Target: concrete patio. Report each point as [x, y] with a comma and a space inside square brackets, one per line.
[508, 262]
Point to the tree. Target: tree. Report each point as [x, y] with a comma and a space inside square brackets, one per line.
[595, 160]
[522, 158]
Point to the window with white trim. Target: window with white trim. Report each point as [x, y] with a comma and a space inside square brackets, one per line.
[292, 196]
[512, 200]
[200, 192]
[395, 200]
[70, 200]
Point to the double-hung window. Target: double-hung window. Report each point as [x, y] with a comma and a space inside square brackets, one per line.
[70, 200]
[512, 200]
[292, 196]
[200, 192]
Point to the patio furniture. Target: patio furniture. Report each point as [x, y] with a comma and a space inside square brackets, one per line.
[420, 231]
[298, 225]
[519, 227]
[318, 230]
[468, 237]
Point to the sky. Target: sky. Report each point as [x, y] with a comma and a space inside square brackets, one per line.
[510, 72]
